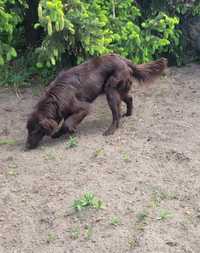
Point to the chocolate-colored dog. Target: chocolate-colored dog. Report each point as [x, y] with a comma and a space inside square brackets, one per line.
[67, 100]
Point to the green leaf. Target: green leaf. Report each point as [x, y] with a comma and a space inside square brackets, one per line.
[39, 65]
[49, 28]
[62, 23]
[55, 52]
[36, 25]
[53, 60]
[1, 60]
[13, 52]
[57, 26]
[40, 11]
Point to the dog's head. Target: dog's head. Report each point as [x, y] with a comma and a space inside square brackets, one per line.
[38, 127]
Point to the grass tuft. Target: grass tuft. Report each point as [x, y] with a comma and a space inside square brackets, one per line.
[87, 201]
[8, 142]
[72, 142]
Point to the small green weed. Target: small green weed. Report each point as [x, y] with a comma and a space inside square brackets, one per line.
[75, 233]
[7, 142]
[141, 217]
[126, 158]
[115, 221]
[158, 196]
[88, 232]
[13, 166]
[51, 237]
[164, 214]
[173, 196]
[72, 142]
[133, 243]
[88, 200]
[12, 172]
[98, 152]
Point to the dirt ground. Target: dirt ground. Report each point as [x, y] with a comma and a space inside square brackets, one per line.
[147, 175]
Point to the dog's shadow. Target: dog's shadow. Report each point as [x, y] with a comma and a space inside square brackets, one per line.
[87, 128]
[94, 126]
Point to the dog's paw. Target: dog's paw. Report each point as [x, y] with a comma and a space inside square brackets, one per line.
[126, 115]
[109, 132]
[56, 135]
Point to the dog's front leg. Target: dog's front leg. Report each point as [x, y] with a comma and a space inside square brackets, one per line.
[82, 109]
[62, 131]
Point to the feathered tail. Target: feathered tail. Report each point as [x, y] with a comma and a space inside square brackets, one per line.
[148, 71]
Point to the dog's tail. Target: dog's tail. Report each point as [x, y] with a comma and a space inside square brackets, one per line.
[149, 71]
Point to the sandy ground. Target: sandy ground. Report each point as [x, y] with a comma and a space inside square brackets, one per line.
[147, 175]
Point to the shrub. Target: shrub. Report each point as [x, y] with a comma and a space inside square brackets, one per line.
[70, 31]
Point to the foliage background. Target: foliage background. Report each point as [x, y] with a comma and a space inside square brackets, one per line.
[39, 37]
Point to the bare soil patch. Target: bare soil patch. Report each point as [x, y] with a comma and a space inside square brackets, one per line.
[147, 175]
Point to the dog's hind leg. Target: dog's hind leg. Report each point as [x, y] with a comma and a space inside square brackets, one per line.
[114, 102]
[128, 100]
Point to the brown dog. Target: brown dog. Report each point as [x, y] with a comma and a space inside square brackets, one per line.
[67, 100]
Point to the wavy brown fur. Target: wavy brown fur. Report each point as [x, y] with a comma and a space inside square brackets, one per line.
[148, 71]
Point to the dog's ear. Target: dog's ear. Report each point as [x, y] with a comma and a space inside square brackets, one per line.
[49, 125]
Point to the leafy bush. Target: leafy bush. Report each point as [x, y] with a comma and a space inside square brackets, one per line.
[86, 28]
[9, 19]
[22, 72]
[70, 31]
[75, 27]
[181, 9]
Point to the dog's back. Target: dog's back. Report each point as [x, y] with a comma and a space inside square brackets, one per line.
[87, 79]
